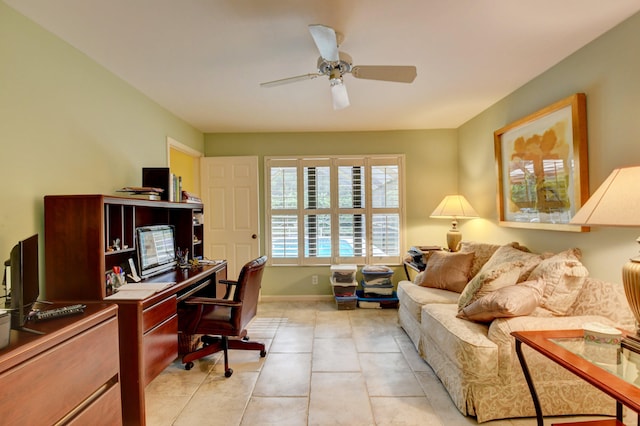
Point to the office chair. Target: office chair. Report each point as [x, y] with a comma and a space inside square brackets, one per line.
[222, 322]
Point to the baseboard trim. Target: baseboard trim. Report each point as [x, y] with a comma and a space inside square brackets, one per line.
[298, 298]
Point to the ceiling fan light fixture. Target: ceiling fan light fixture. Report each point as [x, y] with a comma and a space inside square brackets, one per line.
[339, 94]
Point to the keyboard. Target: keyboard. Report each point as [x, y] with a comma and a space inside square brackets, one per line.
[58, 312]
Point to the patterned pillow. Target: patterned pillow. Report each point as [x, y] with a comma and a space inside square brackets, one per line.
[448, 271]
[489, 280]
[508, 253]
[564, 276]
[511, 301]
[481, 251]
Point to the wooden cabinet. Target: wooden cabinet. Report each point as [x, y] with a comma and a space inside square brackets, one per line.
[69, 375]
[80, 231]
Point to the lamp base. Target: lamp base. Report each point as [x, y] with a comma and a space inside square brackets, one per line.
[453, 239]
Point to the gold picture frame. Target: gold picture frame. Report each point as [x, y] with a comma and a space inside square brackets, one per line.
[542, 167]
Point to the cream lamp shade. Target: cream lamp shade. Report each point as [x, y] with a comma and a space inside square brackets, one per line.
[454, 207]
[617, 203]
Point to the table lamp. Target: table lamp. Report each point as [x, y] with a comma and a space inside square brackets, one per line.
[617, 203]
[454, 207]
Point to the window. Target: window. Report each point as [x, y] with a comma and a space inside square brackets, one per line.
[331, 210]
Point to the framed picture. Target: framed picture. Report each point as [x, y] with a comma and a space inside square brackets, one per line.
[542, 167]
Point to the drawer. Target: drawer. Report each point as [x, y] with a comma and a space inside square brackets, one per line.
[103, 411]
[45, 388]
[160, 348]
[158, 313]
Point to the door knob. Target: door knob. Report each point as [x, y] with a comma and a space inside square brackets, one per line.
[254, 236]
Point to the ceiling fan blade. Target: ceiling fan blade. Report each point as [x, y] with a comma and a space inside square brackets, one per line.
[326, 41]
[397, 73]
[339, 95]
[288, 80]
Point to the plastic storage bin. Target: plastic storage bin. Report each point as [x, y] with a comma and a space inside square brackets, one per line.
[343, 289]
[344, 273]
[377, 275]
[346, 302]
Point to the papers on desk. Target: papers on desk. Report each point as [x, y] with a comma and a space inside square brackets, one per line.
[138, 291]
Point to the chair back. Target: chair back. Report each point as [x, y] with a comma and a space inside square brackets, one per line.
[248, 291]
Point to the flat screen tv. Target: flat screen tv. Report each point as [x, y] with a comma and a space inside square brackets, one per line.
[25, 283]
[156, 249]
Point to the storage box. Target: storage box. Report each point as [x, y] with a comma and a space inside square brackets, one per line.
[377, 290]
[344, 273]
[5, 329]
[343, 289]
[377, 275]
[346, 302]
[382, 302]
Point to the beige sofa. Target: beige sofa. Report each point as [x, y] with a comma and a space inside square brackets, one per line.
[476, 360]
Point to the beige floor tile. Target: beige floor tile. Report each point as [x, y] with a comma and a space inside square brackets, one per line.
[337, 354]
[285, 375]
[219, 401]
[371, 339]
[293, 339]
[388, 374]
[333, 324]
[339, 399]
[408, 411]
[411, 354]
[275, 411]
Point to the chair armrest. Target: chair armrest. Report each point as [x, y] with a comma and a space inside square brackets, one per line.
[227, 282]
[211, 301]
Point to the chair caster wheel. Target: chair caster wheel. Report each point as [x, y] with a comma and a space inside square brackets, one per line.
[228, 373]
[188, 366]
[263, 354]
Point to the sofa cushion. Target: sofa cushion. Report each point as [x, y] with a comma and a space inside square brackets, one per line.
[511, 301]
[489, 280]
[413, 297]
[465, 343]
[447, 271]
[564, 276]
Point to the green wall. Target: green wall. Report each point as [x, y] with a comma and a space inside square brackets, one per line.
[67, 125]
[431, 163]
[607, 71]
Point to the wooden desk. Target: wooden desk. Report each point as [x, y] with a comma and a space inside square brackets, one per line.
[69, 374]
[149, 332]
[615, 385]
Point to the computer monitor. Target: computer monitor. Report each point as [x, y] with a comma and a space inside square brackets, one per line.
[156, 249]
[25, 283]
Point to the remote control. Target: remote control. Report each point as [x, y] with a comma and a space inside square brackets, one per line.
[59, 312]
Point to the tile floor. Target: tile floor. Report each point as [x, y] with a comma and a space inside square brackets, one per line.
[323, 367]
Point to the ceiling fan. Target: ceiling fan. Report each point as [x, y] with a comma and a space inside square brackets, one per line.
[336, 64]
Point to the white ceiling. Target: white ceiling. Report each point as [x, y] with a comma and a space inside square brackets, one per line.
[203, 60]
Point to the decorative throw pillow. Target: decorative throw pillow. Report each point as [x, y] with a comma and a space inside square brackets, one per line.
[448, 271]
[481, 253]
[564, 276]
[508, 253]
[511, 301]
[490, 280]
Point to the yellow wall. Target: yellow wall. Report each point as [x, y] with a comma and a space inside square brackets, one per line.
[188, 167]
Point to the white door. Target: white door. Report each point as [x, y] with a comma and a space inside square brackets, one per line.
[229, 188]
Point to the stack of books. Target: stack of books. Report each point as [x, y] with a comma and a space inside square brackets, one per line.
[143, 192]
[188, 197]
[377, 288]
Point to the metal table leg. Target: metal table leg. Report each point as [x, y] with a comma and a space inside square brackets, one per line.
[532, 389]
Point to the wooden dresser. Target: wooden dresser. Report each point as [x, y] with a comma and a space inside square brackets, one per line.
[69, 375]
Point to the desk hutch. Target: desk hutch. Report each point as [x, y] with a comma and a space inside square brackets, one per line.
[80, 231]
